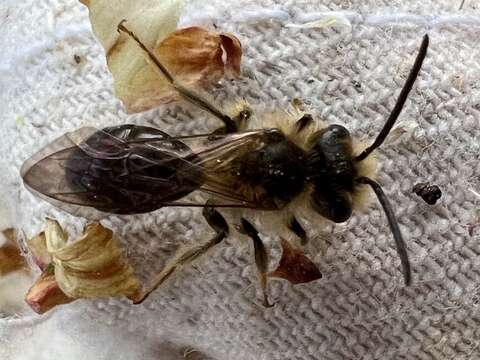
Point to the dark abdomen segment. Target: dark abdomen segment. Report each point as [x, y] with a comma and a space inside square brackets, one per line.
[132, 178]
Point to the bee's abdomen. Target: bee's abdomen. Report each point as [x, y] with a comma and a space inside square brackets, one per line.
[141, 181]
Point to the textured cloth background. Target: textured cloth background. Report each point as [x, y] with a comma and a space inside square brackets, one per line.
[348, 74]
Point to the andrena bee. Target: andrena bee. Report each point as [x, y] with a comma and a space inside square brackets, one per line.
[286, 165]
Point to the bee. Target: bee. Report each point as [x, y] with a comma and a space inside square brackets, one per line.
[286, 165]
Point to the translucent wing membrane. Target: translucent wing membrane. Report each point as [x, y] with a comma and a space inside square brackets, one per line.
[135, 169]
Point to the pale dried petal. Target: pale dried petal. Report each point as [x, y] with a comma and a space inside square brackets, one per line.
[194, 56]
[54, 235]
[135, 81]
[38, 249]
[92, 266]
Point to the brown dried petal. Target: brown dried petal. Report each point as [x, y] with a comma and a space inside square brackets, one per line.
[195, 55]
[11, 258]
[46, 294]
[295, 267]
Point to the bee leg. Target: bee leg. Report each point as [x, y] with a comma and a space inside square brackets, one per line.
[298, 230]
[303, 122]
[240, 121]
[186, 93]
[261, 256]
[187, 254]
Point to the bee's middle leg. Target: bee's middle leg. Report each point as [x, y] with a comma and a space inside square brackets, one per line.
[187, 254]
[261, 256]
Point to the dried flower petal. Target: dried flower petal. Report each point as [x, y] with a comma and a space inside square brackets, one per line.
[10, 257]
[92, 266]
[46, 294]
[295, 267]
[194, 56]
[38, 249]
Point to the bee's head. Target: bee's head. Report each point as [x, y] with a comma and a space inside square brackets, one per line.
[332, 171]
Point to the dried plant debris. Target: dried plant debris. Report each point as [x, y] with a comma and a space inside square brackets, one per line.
[38, 251]
[11, 258]
[77, 58]
[295, 266]
[429, 193]
[91, 267]
[474, 224]
[45, 294]
[194, 56]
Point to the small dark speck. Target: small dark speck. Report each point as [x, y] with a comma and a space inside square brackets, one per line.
[310, 81]
[356, 84]
[77, 58]
[429, 193]
[471, 228]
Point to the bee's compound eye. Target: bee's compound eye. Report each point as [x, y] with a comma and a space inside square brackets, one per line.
[334, 205]
[337, 131]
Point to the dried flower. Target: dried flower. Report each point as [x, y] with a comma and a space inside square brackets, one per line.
[91, 267]
[194, 56]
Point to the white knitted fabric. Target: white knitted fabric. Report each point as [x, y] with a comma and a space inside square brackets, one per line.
[347, 73]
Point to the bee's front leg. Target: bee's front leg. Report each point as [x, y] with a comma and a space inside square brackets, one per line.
[239, 122]
[187, 254]
[305, 121]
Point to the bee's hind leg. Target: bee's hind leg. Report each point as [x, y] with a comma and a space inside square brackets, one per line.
[186, 93]
[261, 256]
[187, 254]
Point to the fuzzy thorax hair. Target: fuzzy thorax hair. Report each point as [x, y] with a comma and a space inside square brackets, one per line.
[300, 207]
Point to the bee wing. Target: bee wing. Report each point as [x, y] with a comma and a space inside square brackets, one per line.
[91, 172]
[44, 174]
[214, 155]
[133, 169]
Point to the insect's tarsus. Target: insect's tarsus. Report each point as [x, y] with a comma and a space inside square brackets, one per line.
[261, 256]
[400, 101]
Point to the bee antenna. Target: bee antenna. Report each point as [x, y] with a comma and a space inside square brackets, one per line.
[400, 101]
[397, 235]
